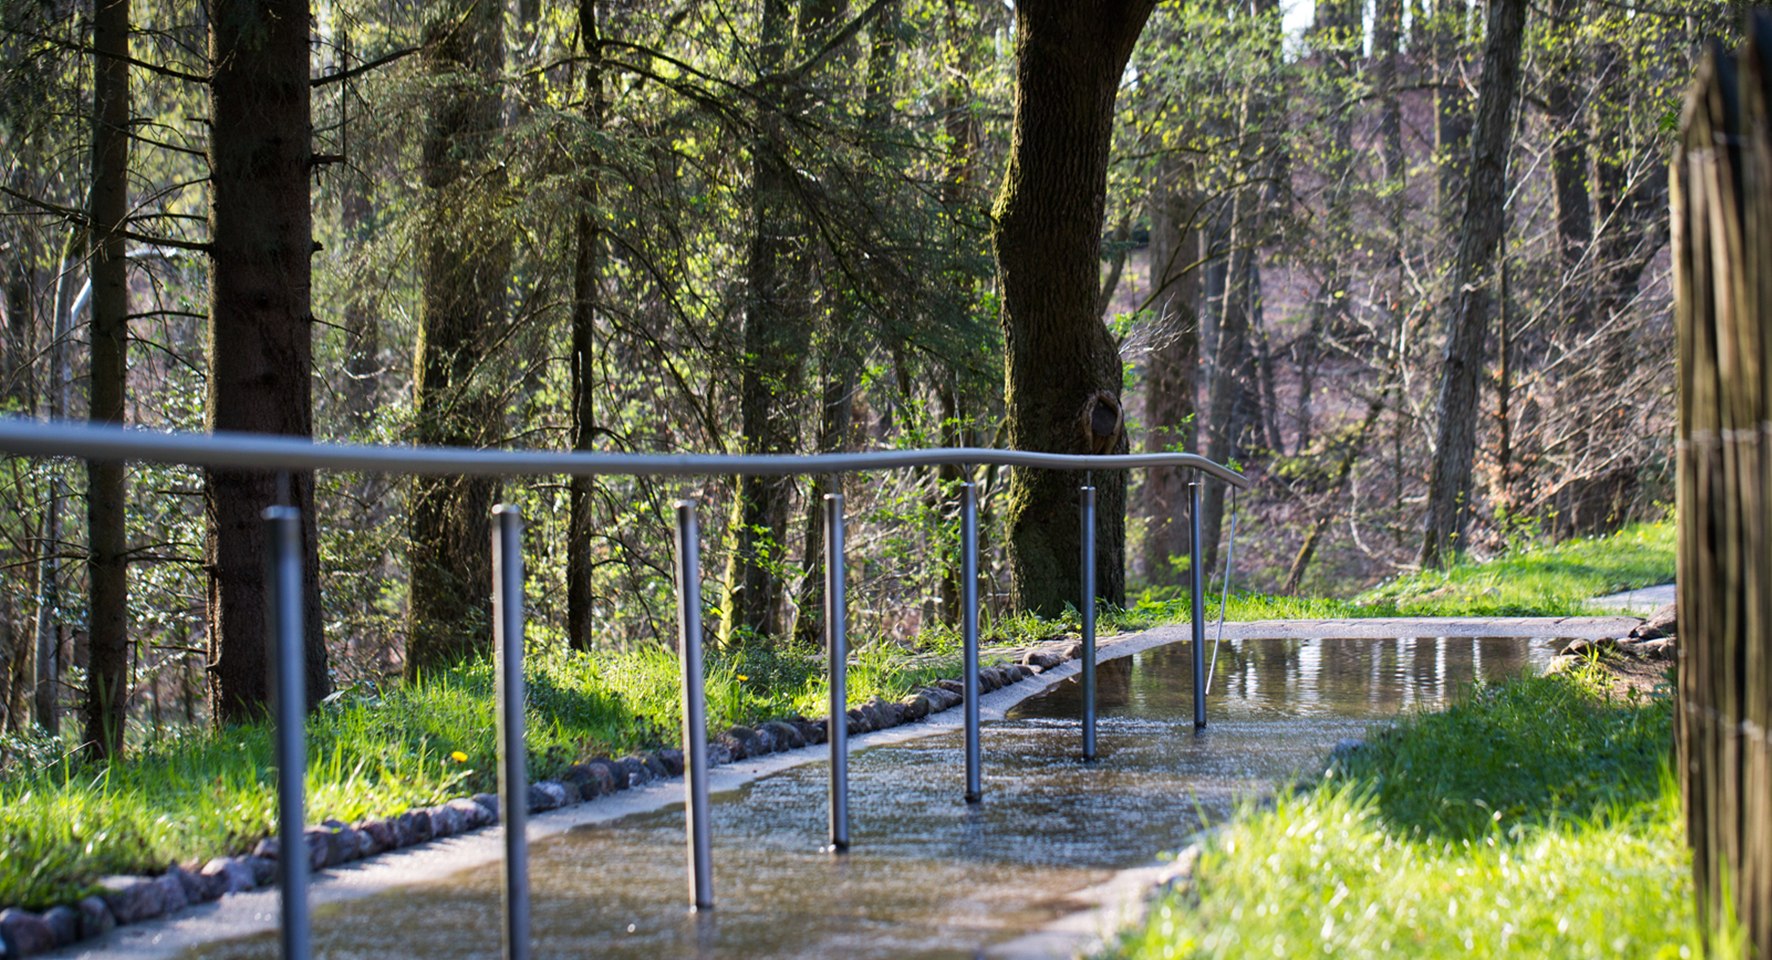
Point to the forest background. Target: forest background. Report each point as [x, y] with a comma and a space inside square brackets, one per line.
[1405, 265]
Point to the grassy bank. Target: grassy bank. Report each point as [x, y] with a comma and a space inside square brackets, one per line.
[64, 823]
[1538, 818]
[1535, 580]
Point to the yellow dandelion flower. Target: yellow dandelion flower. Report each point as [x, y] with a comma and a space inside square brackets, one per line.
[742, 678]
[459, 757]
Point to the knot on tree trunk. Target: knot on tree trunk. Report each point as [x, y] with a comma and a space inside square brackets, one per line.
[1100, 422]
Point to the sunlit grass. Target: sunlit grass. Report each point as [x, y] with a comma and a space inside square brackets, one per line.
[1547, 580]
[65, 823]
[1544, 580]
[1536, 819]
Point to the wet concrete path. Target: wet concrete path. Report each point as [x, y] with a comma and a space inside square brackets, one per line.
[930, 876]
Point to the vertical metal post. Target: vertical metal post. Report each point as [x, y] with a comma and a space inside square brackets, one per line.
[836, 625]
[695, 710]
[513, 777]
[969, 637]
[1197, 602]
[289, 703]
[1086, 502]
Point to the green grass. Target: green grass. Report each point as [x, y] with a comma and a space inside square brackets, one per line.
[65, 823]
[1547, 580]
[1540, 580]
[1537, 818]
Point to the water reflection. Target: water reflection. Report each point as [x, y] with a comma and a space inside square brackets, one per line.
[930, 876]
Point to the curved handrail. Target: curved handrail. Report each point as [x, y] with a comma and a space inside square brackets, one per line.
[26, 437]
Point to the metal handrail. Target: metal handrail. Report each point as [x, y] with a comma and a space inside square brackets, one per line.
[37, 438]
[24, 437]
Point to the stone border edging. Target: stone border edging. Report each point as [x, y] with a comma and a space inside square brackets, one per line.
[129, 900]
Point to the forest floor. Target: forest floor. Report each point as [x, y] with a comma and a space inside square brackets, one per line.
[188, 795]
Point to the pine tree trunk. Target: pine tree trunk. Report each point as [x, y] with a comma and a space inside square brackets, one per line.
[107, 679]
[466, 263]
[586, 274]
[777, 327]
[1470, 299]
[260, 336]
[1060, 363]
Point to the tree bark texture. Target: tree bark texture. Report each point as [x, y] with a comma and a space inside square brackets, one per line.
[466, 262]
[777, 328]
[1470, 299]
[260, 348]
[587, 270]
[1722, 240]
[107, 678]
[1062, 367]
[1172, 366]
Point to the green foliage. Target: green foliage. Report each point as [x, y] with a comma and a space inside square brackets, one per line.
[1536, 819]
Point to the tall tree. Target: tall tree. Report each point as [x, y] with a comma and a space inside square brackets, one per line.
[586, 274]
[260, 347]
[1171, 384]
[1470, 299]
[107, 677]
[465, 252]
[1062, 372]
[777, 326]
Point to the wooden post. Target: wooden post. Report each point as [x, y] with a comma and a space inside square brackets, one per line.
[1721, 198]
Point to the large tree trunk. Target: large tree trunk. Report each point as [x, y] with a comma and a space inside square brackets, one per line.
[260, 338]
[1172, 366]
[466, 263]
[1470, 298]
[1061, 365]
[107, 678]
[587, 271]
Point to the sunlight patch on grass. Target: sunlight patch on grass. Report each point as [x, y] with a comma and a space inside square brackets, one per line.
[1537, 818]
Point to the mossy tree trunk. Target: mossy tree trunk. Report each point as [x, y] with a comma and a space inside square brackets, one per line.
[1062, 367]
[465, 251]
[260, 349]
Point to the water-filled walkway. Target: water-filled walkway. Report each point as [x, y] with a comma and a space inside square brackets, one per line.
[928, 875]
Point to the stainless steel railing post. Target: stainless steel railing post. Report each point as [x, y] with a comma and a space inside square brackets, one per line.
[288, 663]
[1086, 502]
[836, 612]
[1197, 602]
[513, 776]
[969, 637]
[695, 710]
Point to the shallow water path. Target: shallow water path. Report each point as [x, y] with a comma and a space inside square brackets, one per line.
[928, 875]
